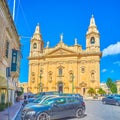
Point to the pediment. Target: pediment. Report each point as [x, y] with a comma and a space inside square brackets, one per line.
[61, 51]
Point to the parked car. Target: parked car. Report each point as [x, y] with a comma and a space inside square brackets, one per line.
[71, 94]
[55, 108]
[47, 93]
[113, 100]
[38, 96]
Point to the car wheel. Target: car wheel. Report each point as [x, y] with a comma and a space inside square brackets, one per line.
[43, 116]
[79, 113]
[117, 104]
[104, 102]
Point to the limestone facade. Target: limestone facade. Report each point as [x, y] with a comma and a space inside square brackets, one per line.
[9, 41]
[63, 68]
[25, 86]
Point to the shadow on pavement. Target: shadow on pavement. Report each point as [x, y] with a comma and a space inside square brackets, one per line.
[71, 118]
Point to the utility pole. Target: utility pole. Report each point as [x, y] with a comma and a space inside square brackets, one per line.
[14, 10]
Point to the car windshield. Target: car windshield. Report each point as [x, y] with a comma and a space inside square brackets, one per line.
[37, 100]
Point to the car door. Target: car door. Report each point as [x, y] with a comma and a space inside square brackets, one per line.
[58, 108]
[70, 106]
[109, 100]
[113, 100]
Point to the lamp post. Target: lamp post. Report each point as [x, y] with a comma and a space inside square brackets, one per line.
[8, 75]
[40, 80]
[72, 83]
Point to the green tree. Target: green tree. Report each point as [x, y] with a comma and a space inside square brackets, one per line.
[19, 93]
[111, 85]
[101, 91]
[91, 91]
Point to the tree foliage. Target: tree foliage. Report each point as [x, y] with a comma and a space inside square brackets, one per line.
[111, 85]
[101, 91]
[19, 93]
[91, 91]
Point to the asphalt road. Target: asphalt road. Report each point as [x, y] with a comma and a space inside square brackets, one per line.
[95, 110]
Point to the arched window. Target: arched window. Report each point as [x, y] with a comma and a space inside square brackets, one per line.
[34, 45]
[60, 72]
[92, 40]
[93, 74]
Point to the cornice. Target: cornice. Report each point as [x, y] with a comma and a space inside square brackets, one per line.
[10, 19]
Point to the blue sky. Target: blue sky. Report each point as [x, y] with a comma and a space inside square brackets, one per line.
[71, 17]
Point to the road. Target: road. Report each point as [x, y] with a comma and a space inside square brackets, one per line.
[95, 110]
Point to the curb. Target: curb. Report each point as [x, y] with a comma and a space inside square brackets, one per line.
[16, 113]
[92, 99]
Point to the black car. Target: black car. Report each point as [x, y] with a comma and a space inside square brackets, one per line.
[113, 100]
[55, 108]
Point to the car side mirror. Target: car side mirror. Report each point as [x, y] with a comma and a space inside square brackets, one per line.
[54, 105]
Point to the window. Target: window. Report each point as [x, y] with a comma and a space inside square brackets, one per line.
[61, 101]
[7, 49]
[60, 71]
[92, 75]
[70, 100]
[14, 62]
[34, 45]
[92, 41]
[82, 69]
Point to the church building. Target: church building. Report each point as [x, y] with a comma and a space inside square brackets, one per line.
[63, 68]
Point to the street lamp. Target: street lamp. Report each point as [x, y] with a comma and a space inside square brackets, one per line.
[72, 83]
[40, 80]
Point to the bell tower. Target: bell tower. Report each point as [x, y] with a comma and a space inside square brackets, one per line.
[36, 44]
[92, 37]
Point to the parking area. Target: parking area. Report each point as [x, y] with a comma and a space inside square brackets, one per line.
[96, 110]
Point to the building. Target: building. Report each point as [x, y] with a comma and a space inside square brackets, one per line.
[117, 82]
[105, 88]
[68, 69]
[9, 55]
[25, 86]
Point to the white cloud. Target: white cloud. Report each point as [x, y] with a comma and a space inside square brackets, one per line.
[112, 49]
[117, 62]
[104, 70]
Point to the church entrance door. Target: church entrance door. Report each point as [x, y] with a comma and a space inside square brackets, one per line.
[60, 87]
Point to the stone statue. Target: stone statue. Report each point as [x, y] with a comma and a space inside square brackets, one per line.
[48, 44]
[75, 41]
[61, 37]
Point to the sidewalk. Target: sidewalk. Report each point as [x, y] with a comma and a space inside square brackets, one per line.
[13, 111]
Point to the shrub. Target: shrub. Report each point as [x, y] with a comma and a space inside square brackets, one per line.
[2, 106]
